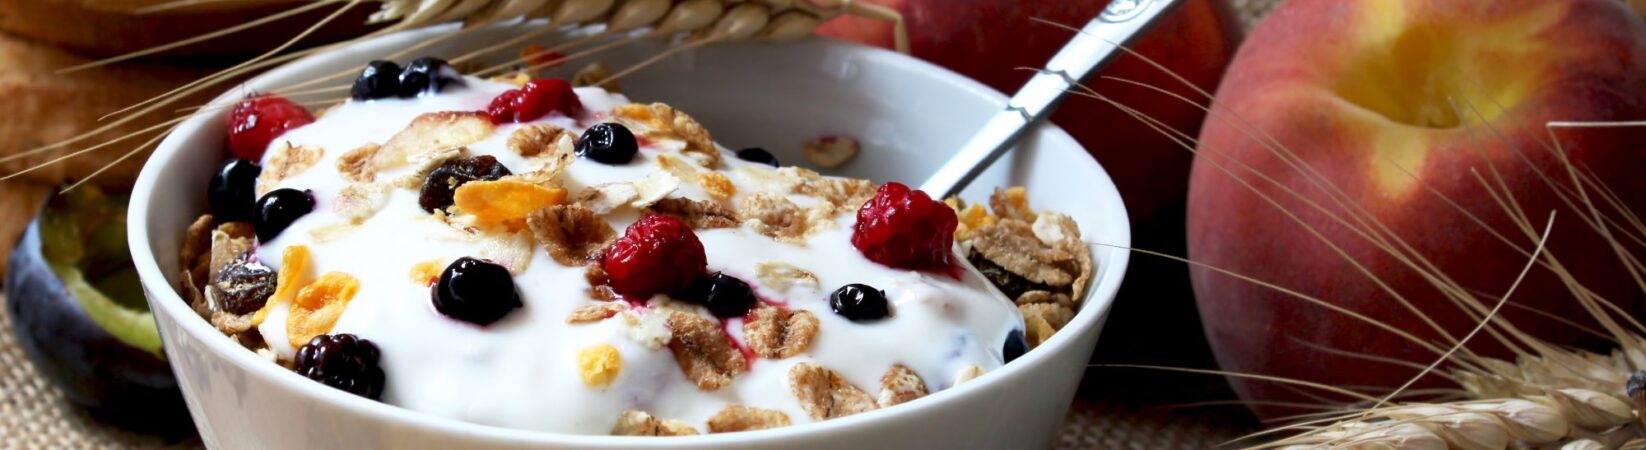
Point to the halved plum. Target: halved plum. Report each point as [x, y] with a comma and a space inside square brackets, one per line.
[80, 315]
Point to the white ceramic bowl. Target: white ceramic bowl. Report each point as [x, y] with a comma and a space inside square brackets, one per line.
[908, 114]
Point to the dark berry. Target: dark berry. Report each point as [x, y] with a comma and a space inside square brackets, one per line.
[860, 303]
[1011, 284]
[1015, 346]
[380, 79]
[258, 120]
[279, 209]
[427, 75]
[444, 180]
[476, 291]
[657, 254]
[757, 155]
[233, 190]
[724, 295]
[906, 229]
[342, 361]
[244, 285]
[608, 143]
[536, 99]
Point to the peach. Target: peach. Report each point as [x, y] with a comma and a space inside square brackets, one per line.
[1398, 105]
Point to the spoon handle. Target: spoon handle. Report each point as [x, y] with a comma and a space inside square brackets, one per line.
[1090, 49]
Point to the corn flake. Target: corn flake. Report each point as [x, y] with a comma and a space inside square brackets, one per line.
[505, 203]
[599, 365]
[318, 305]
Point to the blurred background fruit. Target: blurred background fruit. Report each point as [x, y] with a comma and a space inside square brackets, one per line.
[1153, 320]
[115, 27]
[80, 315]
[1379, 98]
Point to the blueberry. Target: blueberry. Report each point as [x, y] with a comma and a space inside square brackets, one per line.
[860, 303]
[233, 190]
[1015, 346]
[427, 75]
[380, 79]
[279, 209]
[724, 295]
[342, 361]
[476, 291]
[443, 181]
[757, 155]
[244, 286]
[608, 143]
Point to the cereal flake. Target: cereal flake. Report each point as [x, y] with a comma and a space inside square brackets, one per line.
[900, 385]
[777, 333]
[703, 351]
[572, 234]
[698, 214]
[737, 418]
[824, 394]
[637, 423]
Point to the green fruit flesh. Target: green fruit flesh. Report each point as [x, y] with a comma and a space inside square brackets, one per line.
[83, 234]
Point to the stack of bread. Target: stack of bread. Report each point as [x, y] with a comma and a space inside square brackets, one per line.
[45, 105]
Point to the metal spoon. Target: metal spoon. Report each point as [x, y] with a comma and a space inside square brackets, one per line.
[1091, 49]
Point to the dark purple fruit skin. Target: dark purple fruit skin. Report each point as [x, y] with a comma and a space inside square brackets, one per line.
[757, 155]
[342, 361]
[279, 209]
[442, 182]
[860, 303]
[608, 143]
[233, 190]
[427, 75]
[1014, 347]
[476, 291]
[724, 295]
[380, 79]
[115, 382]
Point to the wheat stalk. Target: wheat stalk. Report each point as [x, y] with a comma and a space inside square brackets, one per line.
[688, 24]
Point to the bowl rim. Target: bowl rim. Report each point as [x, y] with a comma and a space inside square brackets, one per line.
[164, 299]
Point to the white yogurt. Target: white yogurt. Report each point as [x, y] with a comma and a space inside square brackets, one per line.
[521, 372]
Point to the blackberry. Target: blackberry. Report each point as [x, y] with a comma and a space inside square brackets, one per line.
[233, 190]
[757, 155]
[244, 286]
[380, 79]
[342, 361]
[476, 291]
[427, 75]
[608, 143]
[860, 303]
[443, 181]
[279, 209]
[724, 295]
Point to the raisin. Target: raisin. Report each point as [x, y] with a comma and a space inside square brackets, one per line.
[245, 285]
[443, 181]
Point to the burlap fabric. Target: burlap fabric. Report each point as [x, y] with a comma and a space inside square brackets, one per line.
[33, 415]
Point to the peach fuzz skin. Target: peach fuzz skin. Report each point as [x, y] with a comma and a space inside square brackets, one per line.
[1398, 103]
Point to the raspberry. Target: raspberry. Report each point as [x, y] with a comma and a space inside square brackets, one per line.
[536, 99]
[657, 254]
[905, 229]
[258, 120]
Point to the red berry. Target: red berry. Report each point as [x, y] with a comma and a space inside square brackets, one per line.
[657, 254]
[906, 229]
[536, 99]
[258, 120]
